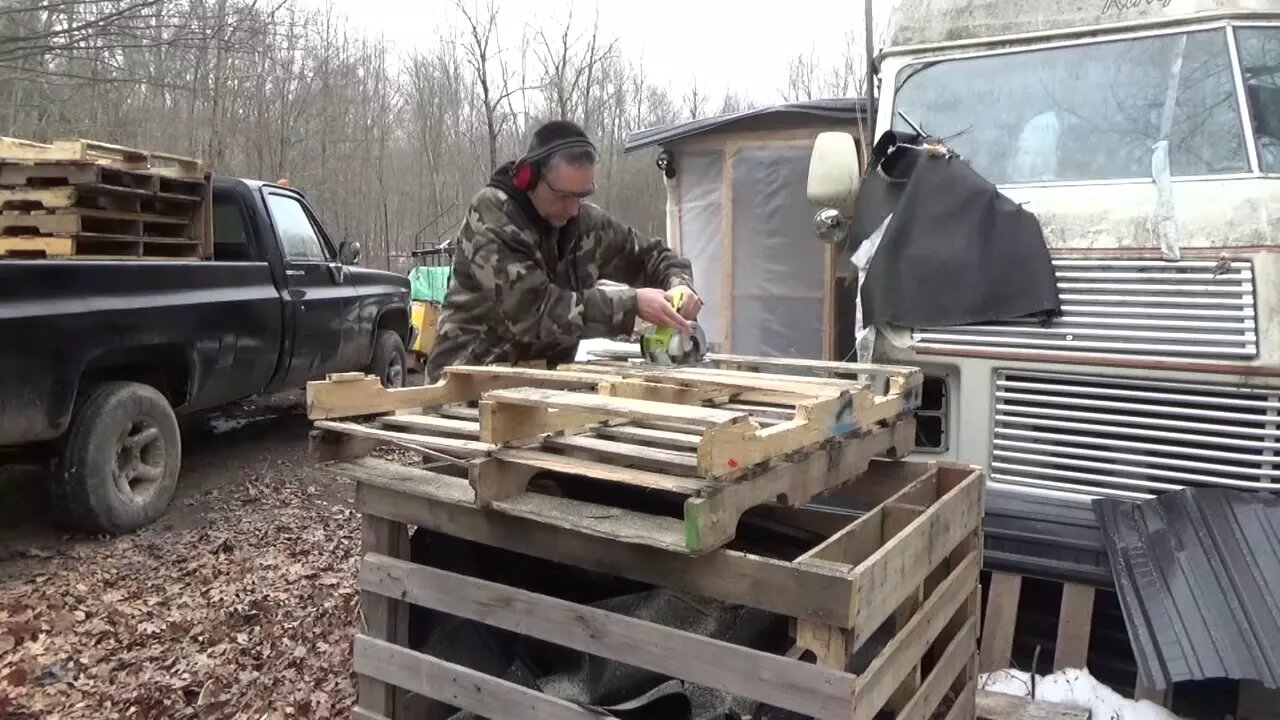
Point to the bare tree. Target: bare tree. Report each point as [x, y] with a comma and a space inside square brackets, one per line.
[390, 149]
[482, 51]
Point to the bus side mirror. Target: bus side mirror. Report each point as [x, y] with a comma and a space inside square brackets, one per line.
[834, 172]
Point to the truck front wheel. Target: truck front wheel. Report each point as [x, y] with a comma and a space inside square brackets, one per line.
[119, 466]
[388, 361]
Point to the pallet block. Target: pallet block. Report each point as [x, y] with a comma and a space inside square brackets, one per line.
[701, 441]
[909, 567]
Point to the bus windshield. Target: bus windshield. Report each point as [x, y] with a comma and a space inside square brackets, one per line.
[1093, 111]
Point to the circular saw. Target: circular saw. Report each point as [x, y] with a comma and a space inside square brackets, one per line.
[668, 346]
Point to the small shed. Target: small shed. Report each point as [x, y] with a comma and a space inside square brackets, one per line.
[736, 207]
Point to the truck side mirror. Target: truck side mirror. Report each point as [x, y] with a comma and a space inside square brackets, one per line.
[834, 172]
[349, 252]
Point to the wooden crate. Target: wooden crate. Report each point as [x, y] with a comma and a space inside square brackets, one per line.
[79, 199]
[909, 566]
[724, 441]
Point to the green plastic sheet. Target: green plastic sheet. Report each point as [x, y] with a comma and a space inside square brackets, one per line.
[429, 284]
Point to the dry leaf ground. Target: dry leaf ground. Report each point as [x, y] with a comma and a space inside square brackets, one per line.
[240, 603]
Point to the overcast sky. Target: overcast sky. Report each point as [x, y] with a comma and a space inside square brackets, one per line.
[726, 45]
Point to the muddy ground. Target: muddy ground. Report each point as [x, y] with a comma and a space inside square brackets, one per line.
[240, 603]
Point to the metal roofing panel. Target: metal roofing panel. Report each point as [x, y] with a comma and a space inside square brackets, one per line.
[833, 109]
[1198, 575]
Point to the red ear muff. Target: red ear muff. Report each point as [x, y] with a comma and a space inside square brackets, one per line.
[523, 176]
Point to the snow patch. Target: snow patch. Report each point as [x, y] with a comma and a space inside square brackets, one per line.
[1075, 687]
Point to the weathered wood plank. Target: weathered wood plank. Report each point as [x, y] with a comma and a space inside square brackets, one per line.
[999, 706]
[953, 661]
[738, 670]
[627, 454]
[450, 446]
[459, 686]
[1001, 617]
[901, 656]
[329, 400]
[1075, 622]
[382, 616]
[615, 407]
[602, 471]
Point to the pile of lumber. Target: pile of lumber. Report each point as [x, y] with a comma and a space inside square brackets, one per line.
[81, 199]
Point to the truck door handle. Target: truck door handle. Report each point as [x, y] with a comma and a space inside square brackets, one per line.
[295, 273]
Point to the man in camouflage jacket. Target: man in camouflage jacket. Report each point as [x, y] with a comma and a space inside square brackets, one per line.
[529, 258]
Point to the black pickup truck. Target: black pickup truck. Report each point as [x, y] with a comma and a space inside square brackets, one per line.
[97, 358]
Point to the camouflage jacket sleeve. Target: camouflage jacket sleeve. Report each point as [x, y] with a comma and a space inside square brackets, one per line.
[633, 260]
[511, 283]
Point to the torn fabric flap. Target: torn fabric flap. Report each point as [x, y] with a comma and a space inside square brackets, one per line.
[865, 342]
[955, 251]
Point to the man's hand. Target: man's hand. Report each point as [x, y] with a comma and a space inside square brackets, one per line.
[654, 305]
[692, 303]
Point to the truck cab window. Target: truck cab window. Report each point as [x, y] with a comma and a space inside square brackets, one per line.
[231, 231]
[1260, 66]
[1084, 112]
[298, 237]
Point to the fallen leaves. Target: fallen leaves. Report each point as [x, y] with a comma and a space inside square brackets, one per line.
[248, 616]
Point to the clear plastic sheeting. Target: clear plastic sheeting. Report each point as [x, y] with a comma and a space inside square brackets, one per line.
[701, 181]
[778, 268]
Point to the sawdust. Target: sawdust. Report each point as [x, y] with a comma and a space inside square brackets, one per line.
[248, 615]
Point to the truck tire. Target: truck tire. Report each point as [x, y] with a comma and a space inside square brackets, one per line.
[388, 359]
[120, 460]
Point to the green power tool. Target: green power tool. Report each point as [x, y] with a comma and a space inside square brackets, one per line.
[668, 346]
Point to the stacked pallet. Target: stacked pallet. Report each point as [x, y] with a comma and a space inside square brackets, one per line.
[80, 199]
[686, 456]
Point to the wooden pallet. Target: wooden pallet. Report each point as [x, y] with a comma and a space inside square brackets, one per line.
[1075, 622]
[724, 441]
[78, 150]
[99, 197]
[906, 572]
[80, 199]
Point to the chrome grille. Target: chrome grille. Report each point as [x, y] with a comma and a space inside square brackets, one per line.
[1116, 436]
[1188, 309]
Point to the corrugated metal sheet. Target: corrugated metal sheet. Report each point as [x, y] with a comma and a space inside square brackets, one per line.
[1134, 308]
[834, 111]
[1198, 575]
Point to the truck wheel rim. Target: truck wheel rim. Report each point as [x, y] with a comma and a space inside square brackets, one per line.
[139, 460]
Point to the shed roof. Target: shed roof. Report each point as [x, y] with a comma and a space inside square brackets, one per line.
[834, 111]
[1198, 575]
